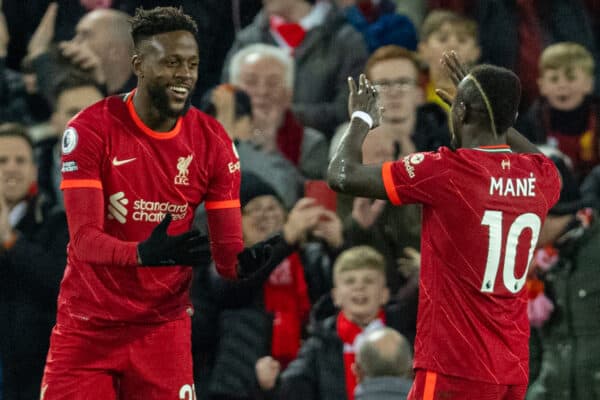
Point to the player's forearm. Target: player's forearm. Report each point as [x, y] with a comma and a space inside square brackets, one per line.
[84, 208]
[348, 157]
[519, 143]
[225, 228]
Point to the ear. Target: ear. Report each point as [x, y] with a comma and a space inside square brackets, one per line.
[136, 65]
[589, 87]
[385, 295]
[356, 371]
[334, 296]
[541, 85]
[461, 112]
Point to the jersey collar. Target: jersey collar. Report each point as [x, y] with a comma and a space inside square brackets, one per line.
[499, 148]
[144, 128]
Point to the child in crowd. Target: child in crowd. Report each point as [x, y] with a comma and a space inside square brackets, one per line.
[566, 116]
[323, 368]
[444, 31]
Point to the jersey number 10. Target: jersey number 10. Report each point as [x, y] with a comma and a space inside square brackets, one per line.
[493, 219]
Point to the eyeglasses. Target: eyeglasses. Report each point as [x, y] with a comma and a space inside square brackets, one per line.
[400, 84]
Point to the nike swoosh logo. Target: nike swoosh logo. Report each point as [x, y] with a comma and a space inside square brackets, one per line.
[116, 162]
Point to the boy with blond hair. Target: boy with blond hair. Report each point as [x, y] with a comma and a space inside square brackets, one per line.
[566, 115]
[323, 368]
[445, 31]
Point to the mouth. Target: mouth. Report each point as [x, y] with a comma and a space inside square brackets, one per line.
[179, 93]
[360, 300]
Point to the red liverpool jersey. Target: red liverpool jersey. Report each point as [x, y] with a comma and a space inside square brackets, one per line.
[482, 213]
[142, 175]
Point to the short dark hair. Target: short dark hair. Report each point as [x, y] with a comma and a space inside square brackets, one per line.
[147, 23]
[72, 79]
[503, 91]
[13, 129]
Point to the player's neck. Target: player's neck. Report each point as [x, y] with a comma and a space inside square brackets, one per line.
[483, 140]
[150, 116]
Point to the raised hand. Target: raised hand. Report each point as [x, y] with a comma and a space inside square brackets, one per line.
[4, 36]
[329, 229]
[303, 217]
[366, 211]
[410, 264]
[267, 371]
[44, 33]
[364, 98]
[455, 70]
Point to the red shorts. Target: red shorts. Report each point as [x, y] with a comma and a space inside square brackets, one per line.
[433, 386]
[124, 362]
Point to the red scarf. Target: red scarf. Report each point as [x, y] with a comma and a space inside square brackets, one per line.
[286, 297]
[349, 332]
[289, 138]
[292, 33]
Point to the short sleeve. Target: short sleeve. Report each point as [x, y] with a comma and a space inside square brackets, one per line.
[416, 178]
[224, 186]
[82, 153]
[552, 179]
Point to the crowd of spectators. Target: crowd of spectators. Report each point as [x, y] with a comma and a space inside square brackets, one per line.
[337, 318]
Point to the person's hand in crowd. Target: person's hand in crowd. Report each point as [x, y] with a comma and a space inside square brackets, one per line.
[329, 228]
[224, 101]
[5, 228]
[303, 217]
[364, 98]
[411, 264]
[81, 55]
[267, 371]
[4, 36]
[366, 211]
[44, 33]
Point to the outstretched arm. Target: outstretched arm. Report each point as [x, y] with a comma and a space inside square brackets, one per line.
[346, 172]
[457, 72]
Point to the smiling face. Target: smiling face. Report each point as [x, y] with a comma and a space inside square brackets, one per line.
[360, 293]
[167, 68]
[261, 217]
[17, 168]
[565, 88]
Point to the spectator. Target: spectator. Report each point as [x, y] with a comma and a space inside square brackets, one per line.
[102, 46]
[444, 31]
[326, 50]
[73, 91]
[570, 367]
[266, 73]
[232, 107]
[265, 315]
[567, 115]
[32, 259]
[379, 23]
[383, 366]
[323, 368]
[514, 33]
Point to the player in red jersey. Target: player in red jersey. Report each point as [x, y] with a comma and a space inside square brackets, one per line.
[484, 203]
[135, 167]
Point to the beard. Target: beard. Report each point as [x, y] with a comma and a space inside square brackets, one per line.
[160, 100]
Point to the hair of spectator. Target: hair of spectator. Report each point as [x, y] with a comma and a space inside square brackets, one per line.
[255, 52]
[12, 129]
[567, 55]
[437, 18]
[375, 357]
[392, 52]
[359, 257]
[147, 23]
[500, 92]
[72, 79]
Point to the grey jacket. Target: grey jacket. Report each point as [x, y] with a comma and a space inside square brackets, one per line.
[383, 388]
[327, 56]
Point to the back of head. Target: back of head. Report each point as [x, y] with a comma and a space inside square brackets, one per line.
[565, 55]
[147, 23]
[496, 90]
[384, 352]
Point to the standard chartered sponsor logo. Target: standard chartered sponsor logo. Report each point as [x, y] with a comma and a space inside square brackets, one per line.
[143, 210]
